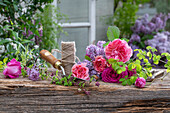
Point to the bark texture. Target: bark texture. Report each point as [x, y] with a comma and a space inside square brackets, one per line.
[23, 95]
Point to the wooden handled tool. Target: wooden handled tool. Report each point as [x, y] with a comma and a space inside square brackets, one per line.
[46, 55]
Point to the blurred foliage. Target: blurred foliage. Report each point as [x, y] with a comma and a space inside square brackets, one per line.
[125, 15]
[18, 27]
[50, 19]
[162, 6]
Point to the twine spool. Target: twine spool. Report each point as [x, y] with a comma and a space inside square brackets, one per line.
[68, 56]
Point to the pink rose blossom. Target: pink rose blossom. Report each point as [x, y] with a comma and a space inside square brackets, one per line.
[100, 63]
[80, 71]
[111, 76]
[118, 49]
[13, 70]
[140, 82]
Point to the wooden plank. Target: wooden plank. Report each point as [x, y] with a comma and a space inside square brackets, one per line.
[23, 95]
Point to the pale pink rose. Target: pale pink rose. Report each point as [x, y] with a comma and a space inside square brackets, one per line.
[118, 49]
[100, 63]
[13, 70]
[80, 71]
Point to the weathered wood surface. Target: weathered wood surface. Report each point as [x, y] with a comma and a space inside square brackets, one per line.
[23, 95]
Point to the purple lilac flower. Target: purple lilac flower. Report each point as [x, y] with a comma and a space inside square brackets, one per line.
[92, 71]
[134, 37]
[91, 51]
[160, 42]
[33, 73]
[100, 44]
[152, 26]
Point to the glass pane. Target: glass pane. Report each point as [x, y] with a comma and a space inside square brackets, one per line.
[76, 10]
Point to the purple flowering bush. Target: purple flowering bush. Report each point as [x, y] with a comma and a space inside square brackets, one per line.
[151, 33]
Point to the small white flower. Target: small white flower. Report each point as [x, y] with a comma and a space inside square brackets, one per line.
[8, 39]
[2, 48]
[14, 45]
[38, 60]
[36, 46]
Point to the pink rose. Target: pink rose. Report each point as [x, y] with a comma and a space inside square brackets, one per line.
[111, 76]
[100, 63]
[140, 82]
[118, 49]
[13, 70]
[80, 71]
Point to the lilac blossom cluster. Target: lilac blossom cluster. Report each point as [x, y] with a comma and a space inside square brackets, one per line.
[161, 42]
[92, 51]
[145, 27]
[33, 73]
[157, 23]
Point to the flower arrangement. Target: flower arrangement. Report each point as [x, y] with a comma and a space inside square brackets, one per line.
[109, 61]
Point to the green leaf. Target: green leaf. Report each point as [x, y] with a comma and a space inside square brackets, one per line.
[149, 55]
[126, 76]
[168, 70]
[129, 82]
[15, 35]
[113, 32]
[56, 73]
[168, 62]
[26, 41]
[69, 75]
[87, 58]
[168, 57]
[5, 60]
[166, 54]
[2, 4]
[70, 84]
[131, 66]
[154, 49]
[1, 62]
[104, 45]
[137, 62]
[112, 61]
[122, 79]
[140, 56]
[145, 60]
[133, 79]
[142, 74]
[37, 33]
[2, 42]
[148, 47]
[65, 84]
[120, 63]
[124, 83]
[119, 71]
[138, 67]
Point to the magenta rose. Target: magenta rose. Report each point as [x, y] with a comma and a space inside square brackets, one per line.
[131, 73]
[13, 69]
[111, 76]
[99, 63]
[140, 82]
[118, 49]
[80, 71]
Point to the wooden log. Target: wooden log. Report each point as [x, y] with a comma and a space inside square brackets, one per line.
[23, 95]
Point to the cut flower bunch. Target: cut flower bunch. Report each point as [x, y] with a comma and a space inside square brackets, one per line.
[109, 61]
